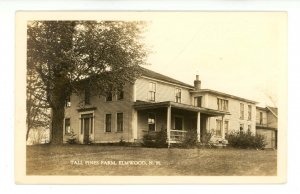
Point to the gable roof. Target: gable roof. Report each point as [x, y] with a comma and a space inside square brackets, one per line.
[224, 94]
[151, 74]
[273, 110]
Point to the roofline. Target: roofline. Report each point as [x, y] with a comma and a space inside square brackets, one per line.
[268, 107]
[224, 94]
[184, 85]
[261, 108]
[143, 105]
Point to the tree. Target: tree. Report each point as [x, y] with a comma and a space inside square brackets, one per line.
[37, 108]
[69, 56]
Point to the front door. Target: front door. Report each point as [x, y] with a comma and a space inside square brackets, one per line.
[86, 130]
[87, 127]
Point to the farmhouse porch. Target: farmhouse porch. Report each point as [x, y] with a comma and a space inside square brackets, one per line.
[176, 118]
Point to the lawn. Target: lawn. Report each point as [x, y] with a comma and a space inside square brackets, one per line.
[117, 160]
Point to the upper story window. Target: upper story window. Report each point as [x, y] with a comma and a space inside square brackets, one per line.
[120, 95]
[198, 101]
[87, 96]
[249, 112]
[178, 95]
[108, 96]
[241, 111]
[222, 104]
[68, 101]
[152, 91]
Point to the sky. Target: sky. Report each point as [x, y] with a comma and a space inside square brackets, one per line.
[238, 53]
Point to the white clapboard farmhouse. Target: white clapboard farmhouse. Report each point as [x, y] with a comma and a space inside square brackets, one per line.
[155, 102]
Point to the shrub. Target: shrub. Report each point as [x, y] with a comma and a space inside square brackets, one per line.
[190, 139]
[205, 138]
[122, 141]
[246, 140]
[155, 139]
[72, 139]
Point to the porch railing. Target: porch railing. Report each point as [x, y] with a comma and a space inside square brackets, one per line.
[177, 136]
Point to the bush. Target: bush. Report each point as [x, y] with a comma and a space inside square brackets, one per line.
[190, 139]
[122, 141]
[246, 140]
[155, 139]
[205, 138]
[72, 139]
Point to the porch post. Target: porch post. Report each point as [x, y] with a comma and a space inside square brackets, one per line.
[207, 124]
[223, 130]
[198, 126]
[169, 125]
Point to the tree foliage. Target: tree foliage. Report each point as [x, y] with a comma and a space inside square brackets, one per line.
[105, 54]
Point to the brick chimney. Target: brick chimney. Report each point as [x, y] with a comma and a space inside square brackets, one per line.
[197, 83]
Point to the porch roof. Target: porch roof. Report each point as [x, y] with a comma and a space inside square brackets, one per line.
[142, 105]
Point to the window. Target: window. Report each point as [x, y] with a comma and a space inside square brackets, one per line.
[260, 118]
[178, 123]
[178, 95]
[222, 104]
[68, 101]
[108, 123]
[198, 101]
[120, 95]
[87, 96]
[109, 96]
[241, 111]
[119, 122]
[219, 128]
[152, 90]
[249, 112]
[241, 128]
[67, 126]
[226, 126]
[151, 122]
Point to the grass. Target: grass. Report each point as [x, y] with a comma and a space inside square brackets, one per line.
[57, 160]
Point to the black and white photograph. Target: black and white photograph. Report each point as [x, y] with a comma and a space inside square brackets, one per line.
[144, 94]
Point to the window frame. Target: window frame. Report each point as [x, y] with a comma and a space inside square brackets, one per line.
[218, 121]
[196, 100]
[152, 91]
[223, 104]
[178, 97]
[87, 96]
[65, 127]
[117, 122]
[249, 112]
[105, 123]
[154, 123]
[109, 94]
[68, 101]
[242, 111]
